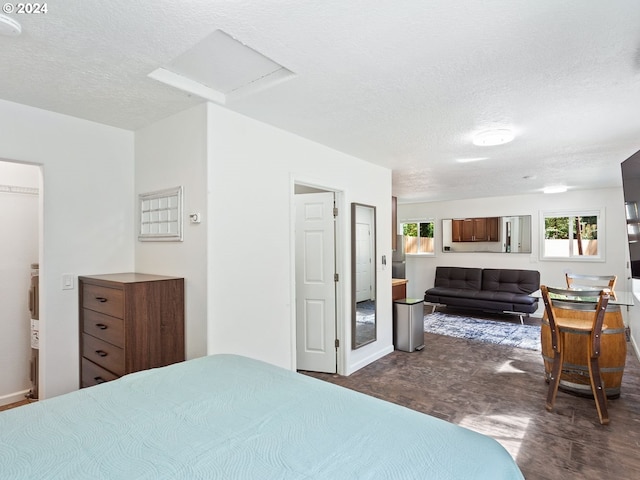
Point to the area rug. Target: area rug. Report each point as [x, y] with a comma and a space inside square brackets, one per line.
[481, 330]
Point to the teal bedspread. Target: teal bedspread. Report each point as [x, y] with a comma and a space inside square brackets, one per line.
[230, 417]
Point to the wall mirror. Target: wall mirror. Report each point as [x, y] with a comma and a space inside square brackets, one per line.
[363, 274]
[487, 234]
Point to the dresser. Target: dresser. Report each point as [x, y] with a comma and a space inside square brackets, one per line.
[129, 322]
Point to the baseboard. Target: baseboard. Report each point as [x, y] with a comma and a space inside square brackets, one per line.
[370, 359]
[13, 397]
[636, 350]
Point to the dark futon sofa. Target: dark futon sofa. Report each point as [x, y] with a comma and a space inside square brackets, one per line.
[488, 289]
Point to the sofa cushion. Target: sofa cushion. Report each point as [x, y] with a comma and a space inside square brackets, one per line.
[514, 281]
[459, 277]
[505, 297]
[436, 294]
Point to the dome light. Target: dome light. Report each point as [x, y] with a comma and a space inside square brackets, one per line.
[8, 26]
[489, 138]
[555, 189]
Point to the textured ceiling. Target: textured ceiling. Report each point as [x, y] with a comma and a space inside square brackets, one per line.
[401, 84]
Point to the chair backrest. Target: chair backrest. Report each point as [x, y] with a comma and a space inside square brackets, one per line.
[576, 281]
[578, 300]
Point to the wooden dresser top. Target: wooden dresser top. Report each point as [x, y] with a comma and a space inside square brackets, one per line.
[128, 277]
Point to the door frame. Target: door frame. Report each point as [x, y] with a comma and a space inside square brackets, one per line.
[20, 395]
[339, 265]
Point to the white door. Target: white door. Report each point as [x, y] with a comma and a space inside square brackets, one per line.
[364, 255]
[363, 263]
[315, 283]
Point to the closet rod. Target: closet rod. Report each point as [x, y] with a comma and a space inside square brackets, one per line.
[16, 189]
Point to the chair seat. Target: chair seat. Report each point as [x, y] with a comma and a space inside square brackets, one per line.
[573, 324]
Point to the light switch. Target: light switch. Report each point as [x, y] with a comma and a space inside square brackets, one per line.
[67, 281]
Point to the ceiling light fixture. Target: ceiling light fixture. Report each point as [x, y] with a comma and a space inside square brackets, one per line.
[489, 138]
[555, 189]
[8, 26]
[476, 159]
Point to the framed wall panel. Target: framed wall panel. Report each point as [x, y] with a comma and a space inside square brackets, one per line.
[161, 215]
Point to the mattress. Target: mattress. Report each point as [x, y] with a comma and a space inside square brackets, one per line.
[231, 417]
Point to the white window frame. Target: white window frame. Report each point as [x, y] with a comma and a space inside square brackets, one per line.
[160, 216]
[599, 213]
[423, 220]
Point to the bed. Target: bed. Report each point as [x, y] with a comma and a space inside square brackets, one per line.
[231, 417]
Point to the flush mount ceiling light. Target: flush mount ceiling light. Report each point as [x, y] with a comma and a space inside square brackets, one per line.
[8, 26]
[476, 159]
[555, 189]
[489, 138]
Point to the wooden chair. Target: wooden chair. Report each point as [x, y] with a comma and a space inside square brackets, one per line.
[593, 327]
[576, 281]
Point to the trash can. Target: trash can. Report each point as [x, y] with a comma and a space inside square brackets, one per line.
[408, 332]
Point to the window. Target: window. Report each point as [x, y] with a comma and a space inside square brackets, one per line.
[573, 235]
[419, 237]
[161, 215]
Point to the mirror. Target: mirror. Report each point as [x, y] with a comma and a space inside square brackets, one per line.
[487, 234]
[363, 274]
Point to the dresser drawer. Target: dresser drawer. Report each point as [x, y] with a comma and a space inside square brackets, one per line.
[109, 301]
[93, 374]
[104, 327]
[103, 354]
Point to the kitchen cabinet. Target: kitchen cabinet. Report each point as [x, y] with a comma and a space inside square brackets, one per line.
[480, 229]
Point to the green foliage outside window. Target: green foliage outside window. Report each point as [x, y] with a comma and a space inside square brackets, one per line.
[571, 236]
[558, 228]
[419, 237]
[411, 229]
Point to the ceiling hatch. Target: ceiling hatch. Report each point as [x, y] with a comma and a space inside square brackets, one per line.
[220, 68]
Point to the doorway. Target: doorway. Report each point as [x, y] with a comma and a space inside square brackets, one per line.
[19, 246]
[316, 279]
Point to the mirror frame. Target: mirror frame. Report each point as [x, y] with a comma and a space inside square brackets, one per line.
[354, 344]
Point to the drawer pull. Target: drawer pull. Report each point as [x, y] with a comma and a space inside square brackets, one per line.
[101, 299]
[99, 379]
[101, 326]
[102, 353]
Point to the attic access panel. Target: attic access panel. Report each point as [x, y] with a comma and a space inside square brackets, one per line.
[220, 68]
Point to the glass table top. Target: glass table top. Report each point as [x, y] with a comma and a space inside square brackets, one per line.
[621, 297]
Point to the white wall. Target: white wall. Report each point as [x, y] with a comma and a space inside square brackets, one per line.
[421, 271]
[251, 289]
[634, 318]
[19, 249]
[171, 153]
[87, 218]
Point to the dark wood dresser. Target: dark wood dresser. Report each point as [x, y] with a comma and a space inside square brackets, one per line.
[129, 322]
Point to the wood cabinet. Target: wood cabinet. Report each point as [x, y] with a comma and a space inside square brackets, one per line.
[493, 229]
[129, 322]
[398, 288]
[479, 229]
